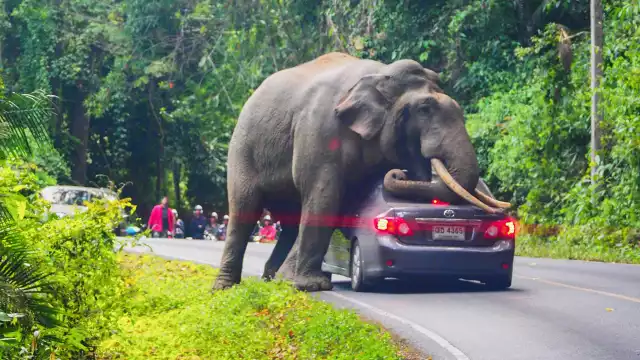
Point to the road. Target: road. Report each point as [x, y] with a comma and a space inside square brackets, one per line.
[556, 309]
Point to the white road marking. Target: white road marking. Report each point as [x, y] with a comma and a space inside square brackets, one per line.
[599, 292]
[457, 353]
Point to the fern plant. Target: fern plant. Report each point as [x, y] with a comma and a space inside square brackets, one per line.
[22, 125]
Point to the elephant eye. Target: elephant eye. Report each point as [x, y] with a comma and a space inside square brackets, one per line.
[428, 106]
[425, 109]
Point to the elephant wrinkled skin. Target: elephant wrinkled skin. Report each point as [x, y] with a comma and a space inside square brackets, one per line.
[310, 133]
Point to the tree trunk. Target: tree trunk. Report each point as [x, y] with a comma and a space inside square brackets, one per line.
[80, 132]
[176, 183]
[57, 87]
[160, 158]
[160, 172]
[596, 74]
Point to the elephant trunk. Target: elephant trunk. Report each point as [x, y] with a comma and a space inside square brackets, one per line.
[456, 180]
[395, 181]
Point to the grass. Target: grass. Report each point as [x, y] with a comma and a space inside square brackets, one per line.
[169, 313]
[561, 247]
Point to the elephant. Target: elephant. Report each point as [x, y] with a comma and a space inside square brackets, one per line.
[311, 133]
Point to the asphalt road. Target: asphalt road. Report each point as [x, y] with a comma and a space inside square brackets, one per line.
[556, 309]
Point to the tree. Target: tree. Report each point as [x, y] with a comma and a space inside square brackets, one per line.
[597, 38]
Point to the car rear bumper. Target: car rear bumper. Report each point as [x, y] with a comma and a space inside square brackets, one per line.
[416, 260]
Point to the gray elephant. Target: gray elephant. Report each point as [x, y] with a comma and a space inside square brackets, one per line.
[312, 132]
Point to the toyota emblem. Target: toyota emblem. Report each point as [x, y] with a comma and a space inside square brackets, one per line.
[449, 213]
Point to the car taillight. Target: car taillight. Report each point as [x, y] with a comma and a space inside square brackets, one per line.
[393, 226]
[439, 202]
[503, 229]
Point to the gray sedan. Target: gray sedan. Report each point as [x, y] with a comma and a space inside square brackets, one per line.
[382, 236]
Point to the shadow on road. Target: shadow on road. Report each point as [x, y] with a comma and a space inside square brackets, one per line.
[392, 286]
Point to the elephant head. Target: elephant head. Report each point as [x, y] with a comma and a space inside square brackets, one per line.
[418, 127]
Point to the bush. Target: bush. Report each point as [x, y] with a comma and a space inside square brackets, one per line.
[75, 259]
[169, 313]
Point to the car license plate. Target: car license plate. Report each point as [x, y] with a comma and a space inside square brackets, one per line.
[441, 232]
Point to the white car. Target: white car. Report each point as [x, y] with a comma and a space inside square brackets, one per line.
[65, 200]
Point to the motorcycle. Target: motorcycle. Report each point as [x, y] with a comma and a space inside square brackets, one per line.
[209, 236]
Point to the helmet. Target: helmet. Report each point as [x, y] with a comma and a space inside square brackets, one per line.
[214, 214]
[226, 217]
[198, 207]
[267, 217]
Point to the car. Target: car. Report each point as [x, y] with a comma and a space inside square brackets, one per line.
[65, 200]
[382, 236]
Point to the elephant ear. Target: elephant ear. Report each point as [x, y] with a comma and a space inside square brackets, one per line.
[364, 108]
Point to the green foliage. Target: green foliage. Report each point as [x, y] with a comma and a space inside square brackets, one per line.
[78, 252]
[535, 138]
[168, 313]
[164, 81]
[22, 292]
[22, 285]
[60, 276]
[573, 244]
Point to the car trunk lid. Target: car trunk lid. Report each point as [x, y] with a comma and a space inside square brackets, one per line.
[444, 225]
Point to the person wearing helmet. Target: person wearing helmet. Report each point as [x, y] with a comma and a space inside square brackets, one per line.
[179, 226]
[211, 230]
[198, 223]
[268, 231]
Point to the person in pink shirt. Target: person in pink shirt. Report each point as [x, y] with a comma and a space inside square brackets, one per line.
[162, 221]
[268, 231]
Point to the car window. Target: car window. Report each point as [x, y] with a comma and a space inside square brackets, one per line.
[62, 196]
[75, 197]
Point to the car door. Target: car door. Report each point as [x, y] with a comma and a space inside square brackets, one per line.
[355, 206]
[337, 258]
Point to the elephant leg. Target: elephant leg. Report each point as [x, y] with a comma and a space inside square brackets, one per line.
[321, 204]
[287, 270]
[281, 251]
[244, 210]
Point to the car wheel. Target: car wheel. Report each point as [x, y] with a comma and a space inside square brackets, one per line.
[500, 282]
[358, 281]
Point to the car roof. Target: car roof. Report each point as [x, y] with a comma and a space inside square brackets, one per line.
[396, 201]
[370, 196]
[92, 190]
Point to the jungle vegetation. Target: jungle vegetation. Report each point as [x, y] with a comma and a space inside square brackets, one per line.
[147, 92]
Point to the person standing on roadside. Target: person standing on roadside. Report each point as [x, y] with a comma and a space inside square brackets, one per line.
[222, 228]
[161, 221]
[278, 229]
[198, 223]
[179, 226]
[211, 230]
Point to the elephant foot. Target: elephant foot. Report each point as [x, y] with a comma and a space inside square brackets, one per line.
[286, 273]
[269, 274]
[223, 283]
[313, 282]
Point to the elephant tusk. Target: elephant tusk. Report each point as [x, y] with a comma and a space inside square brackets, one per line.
[458, 189]
[491, 201]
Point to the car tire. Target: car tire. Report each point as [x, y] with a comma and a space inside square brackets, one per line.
[500, 282]
[359, 282]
